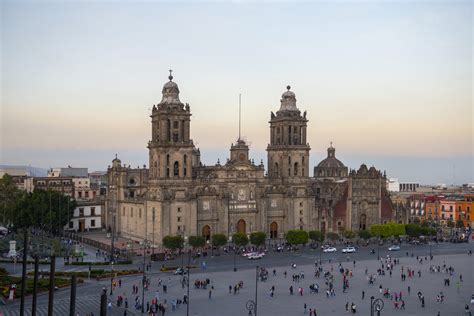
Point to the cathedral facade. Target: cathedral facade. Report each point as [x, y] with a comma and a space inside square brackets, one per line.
[178, 195]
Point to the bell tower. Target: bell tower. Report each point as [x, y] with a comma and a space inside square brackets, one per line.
[170, 147]
[288, 151]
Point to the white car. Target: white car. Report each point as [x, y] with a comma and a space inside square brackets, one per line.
[247, 254]
[394, 248]
[329, 249]
[348, 250]
[255, 256]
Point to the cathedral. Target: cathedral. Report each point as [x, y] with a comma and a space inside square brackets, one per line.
[178, 195]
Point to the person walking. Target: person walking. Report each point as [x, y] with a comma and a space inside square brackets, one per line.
[363, 294]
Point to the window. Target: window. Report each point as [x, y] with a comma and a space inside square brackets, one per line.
[176, 169]
[71, 224]
[450, 208]
[179, 209]
[289, 160]
[167, 172]
[179, 228]
[179, 218]
[81, 212]
[301, 212]
[167, 159]
[175, 137]
[87, 194]
[185, 159]
[175, 124]
[278, 130]
[184, 171]
[131, 212]
[338, 223]
[93, 223]
[132, 193]
[79, 194]
[92, 211]
[459, 208]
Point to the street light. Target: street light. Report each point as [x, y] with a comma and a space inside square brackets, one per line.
[235, 267]
[375, 305]
[144, 276]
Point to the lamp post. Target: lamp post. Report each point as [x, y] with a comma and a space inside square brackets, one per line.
[375, 305]
[187, 283]
[378, 248]
[112, 257]
[235, 267]
[144, 276]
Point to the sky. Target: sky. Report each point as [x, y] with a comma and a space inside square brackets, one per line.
[388, 82]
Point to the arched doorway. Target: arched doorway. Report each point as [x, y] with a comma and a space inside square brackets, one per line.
[241, 226]
[273, 230]
[363, 222]
[206, 232]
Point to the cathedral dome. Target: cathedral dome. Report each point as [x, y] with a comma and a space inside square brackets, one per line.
[288, 100]
[170, 92]
[331, 161]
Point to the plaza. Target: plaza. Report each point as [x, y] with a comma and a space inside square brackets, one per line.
[219, 270]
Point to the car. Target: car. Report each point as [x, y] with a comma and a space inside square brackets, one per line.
[348, 250]
[394, 248]
[179, 271]
[329, 249]
[248, 254]
[256, 256]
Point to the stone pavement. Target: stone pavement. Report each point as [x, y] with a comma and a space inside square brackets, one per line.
[223, 303]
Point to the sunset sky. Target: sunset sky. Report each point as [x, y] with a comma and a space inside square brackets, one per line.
[388, 82]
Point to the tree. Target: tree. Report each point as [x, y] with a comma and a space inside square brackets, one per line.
[413, 230]
[450, 223]
[240, 239]
[424, 223]
[8, 199]
[316, 235]
[365, 234]
[297, 237]
[258, 238]
[459, 223]
[49, 210]
[219, 240]
[332, 236]
[173, 242]
[197, 241]
[349, 234]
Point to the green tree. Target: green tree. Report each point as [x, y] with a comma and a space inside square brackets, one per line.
[9, 195]
[316, 235]
[219, 240]
[450, 223]
[197, 241]
[332, 236]
[413, 230]
[424, 223]
[297, 237]
[258, 238]
[173, 242]
[240, 239]
[459, 223]
[349, 234]
[365, 234]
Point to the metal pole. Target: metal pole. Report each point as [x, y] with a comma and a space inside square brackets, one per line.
[51, 286]
[144, 278]
[72, 303]
[256, 288]
[23, 273]
[235, 267]
[112, 258]
[35, 286]
[103, 304]
[371, 306]
[189, 272]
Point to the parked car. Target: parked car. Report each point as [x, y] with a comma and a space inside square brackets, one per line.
[179, 271]
[329, 249]
[348, 250]
[256, 256]
[394, 248]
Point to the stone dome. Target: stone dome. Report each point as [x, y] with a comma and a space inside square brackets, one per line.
[170, 92]
[331, 161]
[288, 101]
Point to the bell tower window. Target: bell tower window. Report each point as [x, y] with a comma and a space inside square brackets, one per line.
[176, 169]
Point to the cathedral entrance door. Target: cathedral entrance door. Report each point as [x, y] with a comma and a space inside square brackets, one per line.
[241, 226]
[206, 232]
[273, 230]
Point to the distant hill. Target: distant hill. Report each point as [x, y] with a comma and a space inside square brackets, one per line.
[33, 171]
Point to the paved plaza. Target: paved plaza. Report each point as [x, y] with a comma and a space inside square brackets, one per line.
[282, 303]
